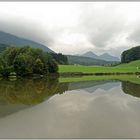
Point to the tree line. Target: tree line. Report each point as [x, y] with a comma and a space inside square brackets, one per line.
[131, 55]
[27, 61]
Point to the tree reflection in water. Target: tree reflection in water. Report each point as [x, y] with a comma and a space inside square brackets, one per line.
[131, 88]
[23, 93]
[29, 91]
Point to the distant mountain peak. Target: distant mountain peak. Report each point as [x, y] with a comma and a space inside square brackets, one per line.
[90, 54]
[108, 57]
[104, 56]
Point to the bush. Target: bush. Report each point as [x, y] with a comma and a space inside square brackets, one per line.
[26, 61]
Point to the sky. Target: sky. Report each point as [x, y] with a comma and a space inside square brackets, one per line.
[75, 27]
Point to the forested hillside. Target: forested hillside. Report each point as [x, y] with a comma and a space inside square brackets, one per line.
[131, 55]
[10, 39]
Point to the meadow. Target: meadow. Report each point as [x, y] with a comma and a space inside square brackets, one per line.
[122, 68]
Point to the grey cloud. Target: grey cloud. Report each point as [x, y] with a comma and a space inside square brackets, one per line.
[101, 25]
[135, 35]
[26, 29]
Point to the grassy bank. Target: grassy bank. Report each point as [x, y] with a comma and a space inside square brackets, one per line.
[130, 78]
[69, 70]
[123, 68]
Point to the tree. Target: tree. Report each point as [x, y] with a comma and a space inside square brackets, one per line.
[22, 65]
[131, 55]
[38, 67]
[52, 66]
[26, 61]
[60, 58]
[9, 55]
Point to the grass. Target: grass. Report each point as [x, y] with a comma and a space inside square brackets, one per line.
[123, 68]
[131, 64]
[130, 78]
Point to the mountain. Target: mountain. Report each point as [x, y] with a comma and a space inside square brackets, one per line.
[88, 61]
[105, 56]
[108, 57]
[10, 39]
[90, 54]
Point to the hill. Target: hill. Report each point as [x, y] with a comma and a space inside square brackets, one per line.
[87, 61]
[9, 39]
[130, 64]
[131, 55]
[104, 56]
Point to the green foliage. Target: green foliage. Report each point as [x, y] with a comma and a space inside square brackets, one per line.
[22, 65]
[131, 55]
[53, 68]
[60, 58]
[6, 71]
[26, 61]
[9, 55]
[38, 66]
[3, 47]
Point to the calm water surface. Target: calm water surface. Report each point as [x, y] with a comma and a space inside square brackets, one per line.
[49, 109]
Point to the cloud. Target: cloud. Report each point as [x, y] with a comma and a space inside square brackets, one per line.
[100, 24]
[73, 28]
[135, 35]
[26, 29]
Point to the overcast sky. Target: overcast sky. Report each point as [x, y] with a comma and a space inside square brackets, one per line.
[75, 27]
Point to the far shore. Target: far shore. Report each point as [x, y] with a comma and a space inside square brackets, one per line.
[100, 74]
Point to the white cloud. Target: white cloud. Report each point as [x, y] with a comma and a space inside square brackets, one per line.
[74, 27]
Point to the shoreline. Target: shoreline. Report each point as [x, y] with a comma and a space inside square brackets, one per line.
[97, 74]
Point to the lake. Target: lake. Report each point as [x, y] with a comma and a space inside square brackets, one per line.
[45, 108]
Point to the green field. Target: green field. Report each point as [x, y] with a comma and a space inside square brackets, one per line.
[130, 78]
[124, 68]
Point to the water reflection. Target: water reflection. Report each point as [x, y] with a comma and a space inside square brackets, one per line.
[91, 86]
[22, 93]
[106, 85]
[131, 88]
[90, 109]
